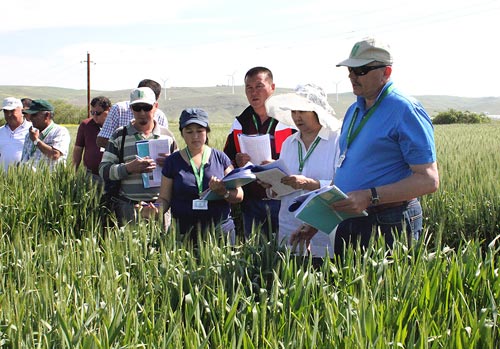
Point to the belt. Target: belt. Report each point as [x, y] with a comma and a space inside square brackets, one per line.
[132, 202]
[383, 207]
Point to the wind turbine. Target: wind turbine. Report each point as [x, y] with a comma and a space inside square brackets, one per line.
[165, 86]
[232, 80]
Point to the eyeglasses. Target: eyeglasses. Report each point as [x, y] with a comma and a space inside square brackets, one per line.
[365, 69]
[96, 113]
[139, 107]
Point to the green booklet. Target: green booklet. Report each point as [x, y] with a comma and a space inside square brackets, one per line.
[314, 208]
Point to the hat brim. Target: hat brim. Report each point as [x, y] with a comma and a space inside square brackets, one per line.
[10, 107]
[197, 122]
[355, 62]
[280, 108]
[142, 101]
[29, 111]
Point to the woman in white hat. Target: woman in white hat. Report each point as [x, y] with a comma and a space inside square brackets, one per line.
[310, 154]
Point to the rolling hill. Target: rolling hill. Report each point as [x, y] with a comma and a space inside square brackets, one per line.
[222, 105]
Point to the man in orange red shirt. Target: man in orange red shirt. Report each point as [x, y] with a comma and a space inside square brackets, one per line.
[257, 209]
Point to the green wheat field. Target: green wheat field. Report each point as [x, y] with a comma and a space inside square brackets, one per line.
[65, 284]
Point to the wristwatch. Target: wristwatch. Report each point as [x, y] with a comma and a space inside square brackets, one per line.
[36, 141]
[226, 196]
[375, 199]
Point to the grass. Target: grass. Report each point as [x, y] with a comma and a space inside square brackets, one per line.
[64, 285]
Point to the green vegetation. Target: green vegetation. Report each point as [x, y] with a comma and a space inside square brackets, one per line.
[66, 113]
[65, 285]
[452, 116]
[467, 204]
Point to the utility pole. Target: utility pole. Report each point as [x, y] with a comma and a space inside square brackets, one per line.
[88, 82]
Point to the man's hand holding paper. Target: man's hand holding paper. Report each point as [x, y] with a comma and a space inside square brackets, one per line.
[258, 148]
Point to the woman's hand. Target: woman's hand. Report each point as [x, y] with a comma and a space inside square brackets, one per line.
[300, 182]
[217, 186]
[302, 237]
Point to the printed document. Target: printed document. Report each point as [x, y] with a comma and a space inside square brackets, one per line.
[153, 148]
[258, 147]
[272, 173]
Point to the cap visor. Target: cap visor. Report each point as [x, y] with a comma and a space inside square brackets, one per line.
[148, 102]
[355, 62]
[197, 122]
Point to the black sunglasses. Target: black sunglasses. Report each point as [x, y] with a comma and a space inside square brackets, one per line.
[365, 69]
[139, 107]
[96, 113]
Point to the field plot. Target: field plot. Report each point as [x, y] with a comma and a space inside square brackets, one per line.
[65, 285]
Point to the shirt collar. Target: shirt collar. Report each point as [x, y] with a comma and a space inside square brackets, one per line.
[323, 133]
[156, 129]
[360, 101]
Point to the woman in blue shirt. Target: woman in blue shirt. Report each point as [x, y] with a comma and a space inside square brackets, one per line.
[188, 173]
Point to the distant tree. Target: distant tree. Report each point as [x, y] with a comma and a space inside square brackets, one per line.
[66, 113]
[452, 116]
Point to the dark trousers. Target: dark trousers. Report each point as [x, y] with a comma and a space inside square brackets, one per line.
[406, 218]
[260, 213]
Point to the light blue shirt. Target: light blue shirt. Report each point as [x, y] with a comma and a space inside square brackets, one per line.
[398, 134]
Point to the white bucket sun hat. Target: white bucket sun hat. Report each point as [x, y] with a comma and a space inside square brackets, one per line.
[308, 97]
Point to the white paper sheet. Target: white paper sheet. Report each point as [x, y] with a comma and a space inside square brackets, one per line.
[154, 148]
[258, 147]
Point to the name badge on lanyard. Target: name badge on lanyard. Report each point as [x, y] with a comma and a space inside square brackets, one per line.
[199, 204]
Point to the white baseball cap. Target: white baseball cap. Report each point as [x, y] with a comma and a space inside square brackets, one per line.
[11, 103]
[142, 95]
[367, 51]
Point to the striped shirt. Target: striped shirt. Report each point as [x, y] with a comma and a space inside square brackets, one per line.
[120, 115]
[132, 186]
[57, 137]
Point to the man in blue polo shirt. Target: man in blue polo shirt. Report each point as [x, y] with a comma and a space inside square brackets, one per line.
[387, 154]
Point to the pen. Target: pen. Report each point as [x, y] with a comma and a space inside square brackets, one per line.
[138, 157]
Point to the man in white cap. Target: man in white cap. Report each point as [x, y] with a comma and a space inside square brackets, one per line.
[121, 163]
[13, 133]
[121, 114]
[387, 154]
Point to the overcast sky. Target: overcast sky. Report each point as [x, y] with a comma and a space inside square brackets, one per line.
[440, 47]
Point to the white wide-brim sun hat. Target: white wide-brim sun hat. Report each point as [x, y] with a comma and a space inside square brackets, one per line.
[307, 97]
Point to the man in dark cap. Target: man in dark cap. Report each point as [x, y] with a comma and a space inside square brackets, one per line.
[46, 141]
